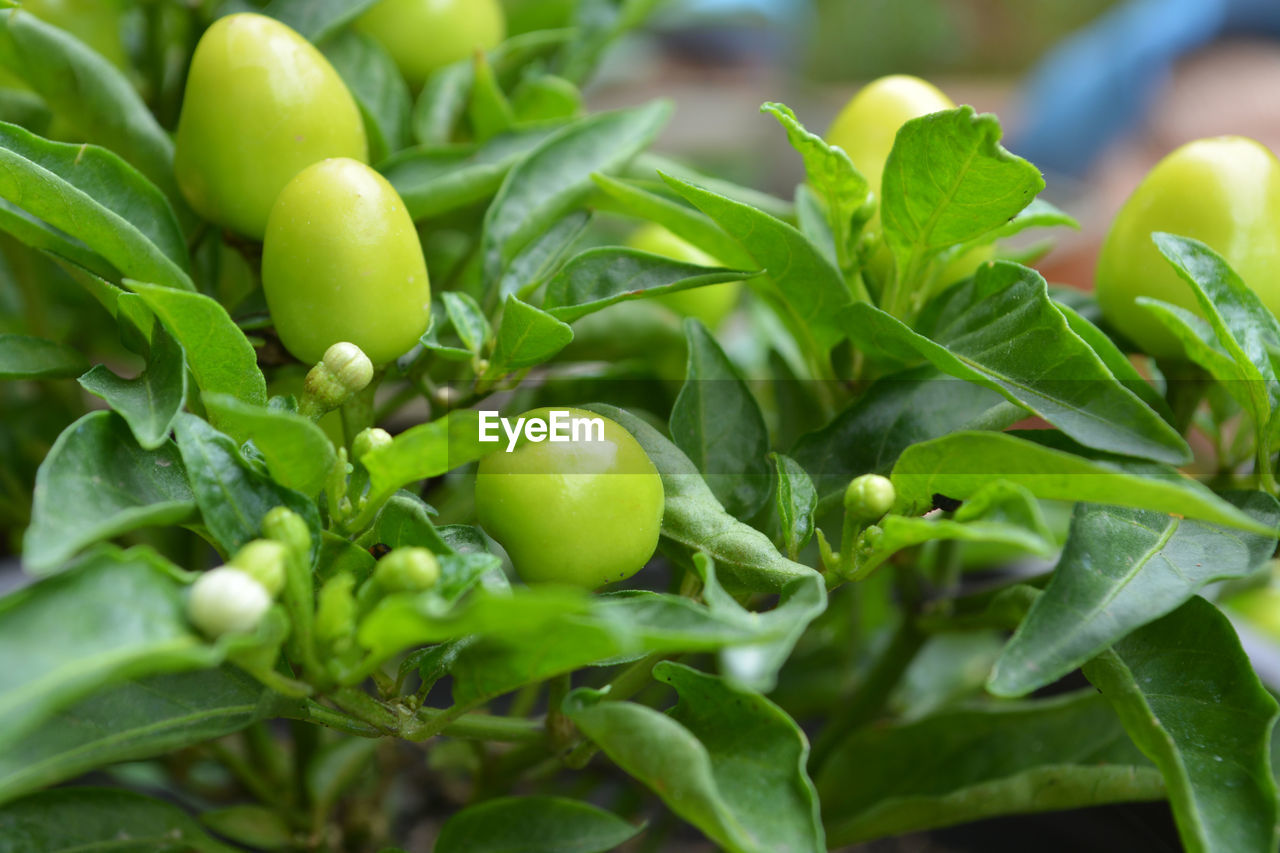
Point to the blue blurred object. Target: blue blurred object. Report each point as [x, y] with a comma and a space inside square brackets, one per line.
[1100, 82]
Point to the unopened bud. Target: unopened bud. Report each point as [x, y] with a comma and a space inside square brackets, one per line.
[369, 440]
[227, 600]
[345, 370]
[869, 497]
[264, 561]
[407, 570]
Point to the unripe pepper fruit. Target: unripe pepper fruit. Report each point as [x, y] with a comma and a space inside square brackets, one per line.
[423, 35]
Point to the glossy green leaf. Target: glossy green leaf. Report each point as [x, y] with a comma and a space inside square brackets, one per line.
[92, 96]
[545, 97]
[1188, 697]
[132, 721]
[604, 276]
[694, 518]
[467, 320]
[488, 111]
[527, 336]
[556, 176]
[1115, 360]
[437, 180]
[92, 195]
[298, 453]
[795, 501]
[317, 19]
[810, 291]
[427, 450]
[533, 825]
[25, 357]
[949, 181]
[113, 617]
[378, 88]
[218, 353]
[728, 761]
[231, 495]
[966, 765]
[718, 425]
[80, 820]
[96, 483]
[959, 464]
[1001, 330]
[895, 412]
[536, 261]
[149, 402]
[1121, 569]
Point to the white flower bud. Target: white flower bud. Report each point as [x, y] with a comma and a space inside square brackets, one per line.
[225, 600]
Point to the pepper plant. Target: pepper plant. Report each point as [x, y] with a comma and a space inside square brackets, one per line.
[934, 546]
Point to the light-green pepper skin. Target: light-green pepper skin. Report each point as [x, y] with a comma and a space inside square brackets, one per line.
[341, 262]
[709, 304]
[261, 105]
[423, 35]
[584, 513]
[1223, 191]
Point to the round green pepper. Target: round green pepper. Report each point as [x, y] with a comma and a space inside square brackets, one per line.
[423, 35]
[341, 262]
[710, 304]
[1223, 191]
[261, 105]
[584, 512]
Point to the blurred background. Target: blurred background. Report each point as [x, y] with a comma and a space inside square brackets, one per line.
[1094, 92]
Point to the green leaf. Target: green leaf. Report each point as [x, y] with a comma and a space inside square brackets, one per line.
[1115, 360]
[440, 339]
[810, 290]
[966, 765]
[556, 176]
[437, 180]
[317, 19]
[831, 174]
[533, 825]
[298, 453]
[405, 521]
[728, 761]
[150, 402]
[380, 91]
[93, 96]
[1002, 331]
[536, 261]
[641, 200]
[132, 721]
[718, 425]
[960, 464]
[25, 357]
[232, 496]
[257, 826]
[488, 111]
[527, 336]
[1038, 214]
[427, 450]
[694, 518]
[894, 413]
[1000, 513]
[218, 353]
[604, 276]
[795, 500]
[948, 181]
[545, 97]
[75, 820]
[467, 320]
[335, 769]
[1122, 568]
[97, 483]
[1188, 697]
[95, 197]
[115, 616]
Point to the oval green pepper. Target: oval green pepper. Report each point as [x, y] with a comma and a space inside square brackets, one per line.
[341, 262]
[423, 35]
[577, 512]
[261, 105]
[1223, 191]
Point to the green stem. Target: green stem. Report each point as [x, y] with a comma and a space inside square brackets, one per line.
[357, 412]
